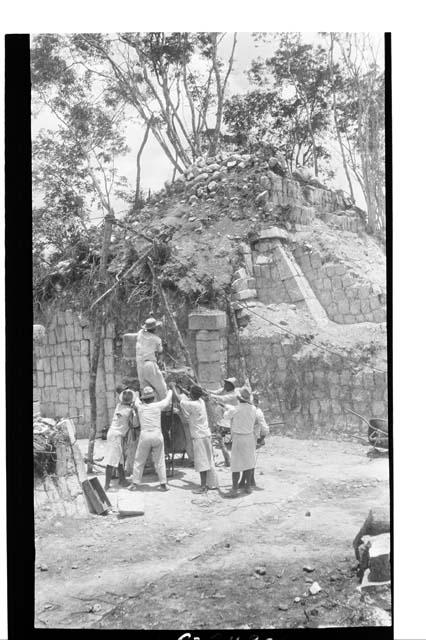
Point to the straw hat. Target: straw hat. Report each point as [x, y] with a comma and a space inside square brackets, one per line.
[147, 392]
[126, 391]
[244, 395]
[232, 381]
[150, 323]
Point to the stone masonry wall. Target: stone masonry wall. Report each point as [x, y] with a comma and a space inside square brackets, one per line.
[307, 393]
[62, 378]
[209, 335]
[345, 297]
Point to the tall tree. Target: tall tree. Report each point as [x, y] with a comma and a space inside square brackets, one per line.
[79, 154]
[173, 81]
[304, 68]
[361, 117]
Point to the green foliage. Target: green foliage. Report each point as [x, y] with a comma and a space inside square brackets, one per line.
[289, 109]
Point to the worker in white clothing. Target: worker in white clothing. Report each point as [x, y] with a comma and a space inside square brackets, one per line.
[123, 419]
[150, 438]
[194, 410]
[148, 347]
[261, 430]
[243, 431]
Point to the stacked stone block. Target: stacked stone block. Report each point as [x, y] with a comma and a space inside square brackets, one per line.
[345, 297]
[63, 372]
[243, 286]
[279, 278]
[348, 220]
[210, 337]
[310, 395]
[302, 200]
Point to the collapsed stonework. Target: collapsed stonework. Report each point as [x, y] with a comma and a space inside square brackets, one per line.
[282, 246]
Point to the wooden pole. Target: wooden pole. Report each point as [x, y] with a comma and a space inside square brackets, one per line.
[171, 318]
[97, 337]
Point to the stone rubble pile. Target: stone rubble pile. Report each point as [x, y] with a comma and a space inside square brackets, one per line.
[299, 195]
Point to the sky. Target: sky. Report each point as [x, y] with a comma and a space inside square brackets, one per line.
[155, 167]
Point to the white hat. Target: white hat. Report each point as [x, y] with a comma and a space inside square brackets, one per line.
[150, 323]
[147, 392]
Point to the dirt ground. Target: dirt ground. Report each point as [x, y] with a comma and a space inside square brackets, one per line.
[205, 562]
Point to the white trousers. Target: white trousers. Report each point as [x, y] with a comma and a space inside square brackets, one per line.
[150, 441]
[149, 374]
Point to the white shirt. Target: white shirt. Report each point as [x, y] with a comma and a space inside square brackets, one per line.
[195, 412]
[121, 419]
[148, 345]
[150, 414]
[243, 418]
[261, 426]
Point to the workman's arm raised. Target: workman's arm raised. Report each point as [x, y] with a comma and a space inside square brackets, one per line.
[228, 398]
[164, 404]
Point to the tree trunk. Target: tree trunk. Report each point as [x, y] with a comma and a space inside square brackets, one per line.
[171, 318]
[138, 164]
[336, 125]
[97, 337]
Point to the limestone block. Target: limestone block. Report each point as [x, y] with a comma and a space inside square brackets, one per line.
[60, 333]
[343, 306]
[60, 318]
[379, 315]
[63, 396]
[314, 407]
[273, 233]
[336, 407]
[315, 260]
[60, 379]
[207, 321]
[326, 283]
[85, 381]
[108, 346]
[68, 362]
[69, 332]
[378, 408]
[350, 319]
[77, 380]
[355, 306]
[364, 292]
[68, 378]
[78, 332]
[334, 391]
[205, 347]
[246, 294]
[75, 348]
[87, 334]
[110, 381]
[210, 371]
[40, 378]
[244, 283]
[61, 409]
[54, 364]
[207, 336]
[336, 282]
[325, 406]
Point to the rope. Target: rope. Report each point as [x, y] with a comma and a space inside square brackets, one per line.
[336, 353]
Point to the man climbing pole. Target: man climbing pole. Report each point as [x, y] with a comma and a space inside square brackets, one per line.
[148, 347]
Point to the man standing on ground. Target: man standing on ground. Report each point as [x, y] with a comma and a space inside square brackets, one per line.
[122, 421]
[150, 438]
[243, 420]
[148, 346]
[194, 410]
[261, 430]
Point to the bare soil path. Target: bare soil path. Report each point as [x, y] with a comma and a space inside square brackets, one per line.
[190, 562]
